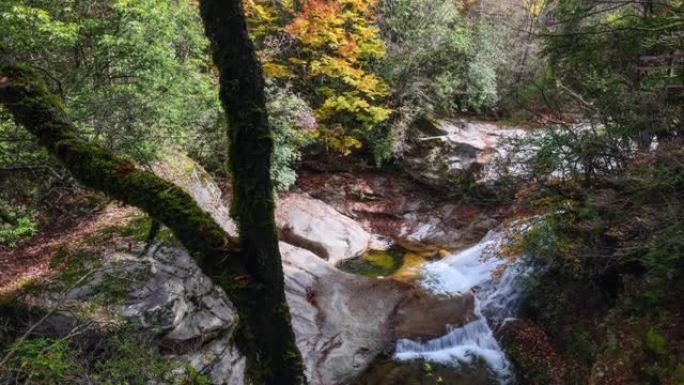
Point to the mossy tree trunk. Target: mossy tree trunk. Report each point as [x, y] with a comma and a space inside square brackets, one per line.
[267, 337]
[249, 272]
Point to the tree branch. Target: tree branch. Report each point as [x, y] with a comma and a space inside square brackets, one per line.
[26, 96]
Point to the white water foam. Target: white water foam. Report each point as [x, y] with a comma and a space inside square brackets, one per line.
[496, 300]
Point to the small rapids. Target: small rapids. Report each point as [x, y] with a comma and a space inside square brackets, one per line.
[496, 286]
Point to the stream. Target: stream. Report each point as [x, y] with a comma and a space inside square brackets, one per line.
[496, 285]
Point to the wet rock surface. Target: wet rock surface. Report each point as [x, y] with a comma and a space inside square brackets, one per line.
[424, 316]
[341, 321]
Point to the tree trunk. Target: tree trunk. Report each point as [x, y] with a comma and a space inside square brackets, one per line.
[266, 335]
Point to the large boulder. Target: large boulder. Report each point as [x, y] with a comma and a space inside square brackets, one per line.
[162, 291]
[192, 315]
[444, 153]
[196, 181]
[312, 224]
[424, 316]
[341, 321]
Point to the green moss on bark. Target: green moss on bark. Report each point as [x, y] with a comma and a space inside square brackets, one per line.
[265, 335]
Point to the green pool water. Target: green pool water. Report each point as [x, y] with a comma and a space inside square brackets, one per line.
[375, 263]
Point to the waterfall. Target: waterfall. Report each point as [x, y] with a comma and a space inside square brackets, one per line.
[495, 284]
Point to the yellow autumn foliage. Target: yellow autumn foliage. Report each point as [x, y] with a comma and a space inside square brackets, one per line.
[331, 46]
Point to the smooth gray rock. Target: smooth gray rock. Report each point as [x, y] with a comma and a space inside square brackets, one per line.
[312, 224]
[341, 321]
[302, 221]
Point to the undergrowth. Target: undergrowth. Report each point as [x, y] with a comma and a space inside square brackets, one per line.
[12, 233]
[609, 297]
[116, 357]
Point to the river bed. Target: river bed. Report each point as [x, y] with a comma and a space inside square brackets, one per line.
[469, 354]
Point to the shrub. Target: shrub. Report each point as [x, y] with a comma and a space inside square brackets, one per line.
[292, 122]
[124, 356]
[11, 234]
[45, 361]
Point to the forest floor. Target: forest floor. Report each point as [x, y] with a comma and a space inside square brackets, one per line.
[30, 260]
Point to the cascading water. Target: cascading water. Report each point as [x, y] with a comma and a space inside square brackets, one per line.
[495, 284]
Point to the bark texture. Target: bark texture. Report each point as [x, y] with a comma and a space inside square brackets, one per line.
[266, 338]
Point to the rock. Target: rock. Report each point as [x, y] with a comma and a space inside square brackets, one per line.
[221, 361]
[179, 298]
[446, 154]
[396, 207]
[382, 192]
[194, 180]
[169, 294]
[449, 226]
[313, 225]
[342, 321]
[423, 316]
